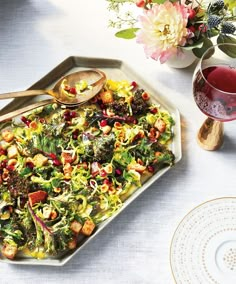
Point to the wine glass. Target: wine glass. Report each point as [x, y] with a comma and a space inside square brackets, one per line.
[214, 90]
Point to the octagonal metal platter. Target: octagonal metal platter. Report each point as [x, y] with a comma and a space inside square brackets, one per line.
[116, 70]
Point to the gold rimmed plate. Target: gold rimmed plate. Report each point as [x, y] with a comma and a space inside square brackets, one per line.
[203, 248]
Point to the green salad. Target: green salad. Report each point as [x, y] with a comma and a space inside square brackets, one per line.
[63, 171]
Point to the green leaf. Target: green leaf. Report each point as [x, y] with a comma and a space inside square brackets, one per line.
[198, 52]
[127, 33]
[229, 50]
[162, 1]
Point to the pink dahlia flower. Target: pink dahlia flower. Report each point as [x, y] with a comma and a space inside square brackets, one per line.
[163, 29]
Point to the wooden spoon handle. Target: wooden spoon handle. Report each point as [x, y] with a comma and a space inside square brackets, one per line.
[211, 135]
[25, 109]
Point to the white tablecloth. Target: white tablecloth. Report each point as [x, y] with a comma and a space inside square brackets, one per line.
[35, 36]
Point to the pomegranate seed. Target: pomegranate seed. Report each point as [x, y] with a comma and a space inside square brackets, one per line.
[73, 91]
[25, 120]
[118, 172]
[103, 173]
[10, 168]
[52, 156]
[73, 114]
[3, 164]
[3, 152]
[151, 169]
[75, 134]
[29, 165]
[134, 84]
[56, 162]
[106, 181]
[103, 122]
[154, 110]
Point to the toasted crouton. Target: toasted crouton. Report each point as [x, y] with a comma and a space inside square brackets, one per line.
[88, 227]
[9, 251]
[75, 226]
[40, 160]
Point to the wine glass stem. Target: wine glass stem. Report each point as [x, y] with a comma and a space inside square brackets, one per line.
[211, 134]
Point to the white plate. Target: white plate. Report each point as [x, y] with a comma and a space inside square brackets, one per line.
[203, 248]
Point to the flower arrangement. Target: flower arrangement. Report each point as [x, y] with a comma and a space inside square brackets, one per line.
[166, 27]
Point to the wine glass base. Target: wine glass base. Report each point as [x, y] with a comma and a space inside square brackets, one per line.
[211, 135]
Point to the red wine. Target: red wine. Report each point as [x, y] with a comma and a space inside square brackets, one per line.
[215, 92]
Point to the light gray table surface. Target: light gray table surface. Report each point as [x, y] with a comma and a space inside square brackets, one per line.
[35, 36]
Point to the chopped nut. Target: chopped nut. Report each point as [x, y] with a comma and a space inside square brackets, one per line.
[137, 167]
[106, 129]
[7, 135]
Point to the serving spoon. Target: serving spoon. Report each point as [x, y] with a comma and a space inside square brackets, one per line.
[95, 79]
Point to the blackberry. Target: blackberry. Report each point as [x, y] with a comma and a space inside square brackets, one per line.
[228, 28]
[213, 21]
[217, 6]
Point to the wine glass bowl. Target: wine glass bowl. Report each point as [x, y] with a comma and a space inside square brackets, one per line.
[214, 91]
[214, 82]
